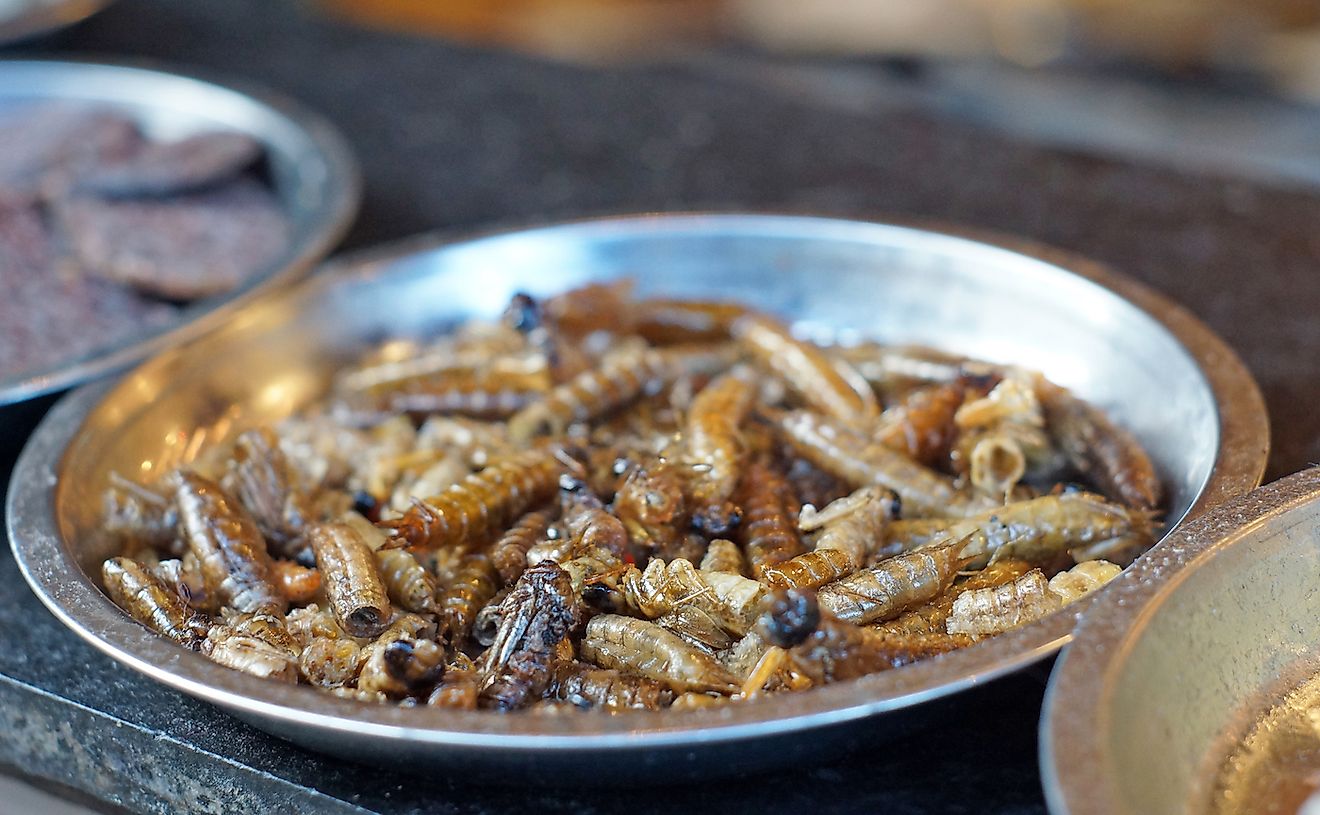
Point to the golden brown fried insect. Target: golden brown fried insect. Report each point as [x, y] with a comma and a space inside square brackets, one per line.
[376, 468]
[1003, 437]
[138, 515]
[149, 601]
[556, 546]
[434, 477]
[474, 585]
[932, 617]
[592, 307]
[1083, 579]
[298, 584]
[183, 576]
[396, 363]
[838, 450]
[811, 570]
[768, 533]
[468, 513]
[744, 655]
[666, 322]
[653, 508]
[731, 600]
[487, 394]
[622, 376]
[407, 667]
[538, 614]
[644, 648]
[257, 644]
[262, 479]
[590, 527]
[1038, 531]
[329, 662]
[826, 649]
[921, 426]
[228, 546]
[1104, 452]
[321, 449]
[509, 554]
[896, 368]
[984, 612]
[402, 661]
[695, 625]
[892, 586]
[310, 622]
[851, 529]
[715, 450]
[475, 444]
[407, 582]
[353, 584]
[597, 545]
[724, 556]
[590, 687]
[806, 369]
[458, 690]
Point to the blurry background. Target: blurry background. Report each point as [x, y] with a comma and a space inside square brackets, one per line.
[1279, 38]
[1225, 84]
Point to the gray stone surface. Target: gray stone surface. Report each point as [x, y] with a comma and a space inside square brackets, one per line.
[461, 138]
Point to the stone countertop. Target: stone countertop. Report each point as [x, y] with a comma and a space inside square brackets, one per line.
[458, 138]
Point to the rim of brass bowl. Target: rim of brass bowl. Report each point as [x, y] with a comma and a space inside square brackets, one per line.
[1076, 767]
[53, 573]
[317, 182]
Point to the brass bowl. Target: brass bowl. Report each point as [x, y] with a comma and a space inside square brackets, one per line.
[1183, 654]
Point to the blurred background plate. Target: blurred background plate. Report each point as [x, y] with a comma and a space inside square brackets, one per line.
[1148, 362]
[21, 19]
[310, 170]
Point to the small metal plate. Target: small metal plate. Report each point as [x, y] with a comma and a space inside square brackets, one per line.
[1155, 367]
[312, 172]
[1180, 655]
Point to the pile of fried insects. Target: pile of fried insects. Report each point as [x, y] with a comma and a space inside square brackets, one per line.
[605, 502]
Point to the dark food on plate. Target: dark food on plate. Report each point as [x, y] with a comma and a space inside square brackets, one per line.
[104, 232]
[602, 502]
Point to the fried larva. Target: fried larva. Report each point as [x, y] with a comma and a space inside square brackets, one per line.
[149, 601]
[257, 644]
[715, 450]
[228, 546]
[468, 512]
[590, 687]
[645, 648]
[894, 585]
[509, 554]
[409, 584]
[806, 369]
[767, 531]
[352, 580]
[265, 483]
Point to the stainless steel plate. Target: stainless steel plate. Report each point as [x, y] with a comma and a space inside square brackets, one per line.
[1159, 370]
[1182, 654]
[313, 174]
[21, 19]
